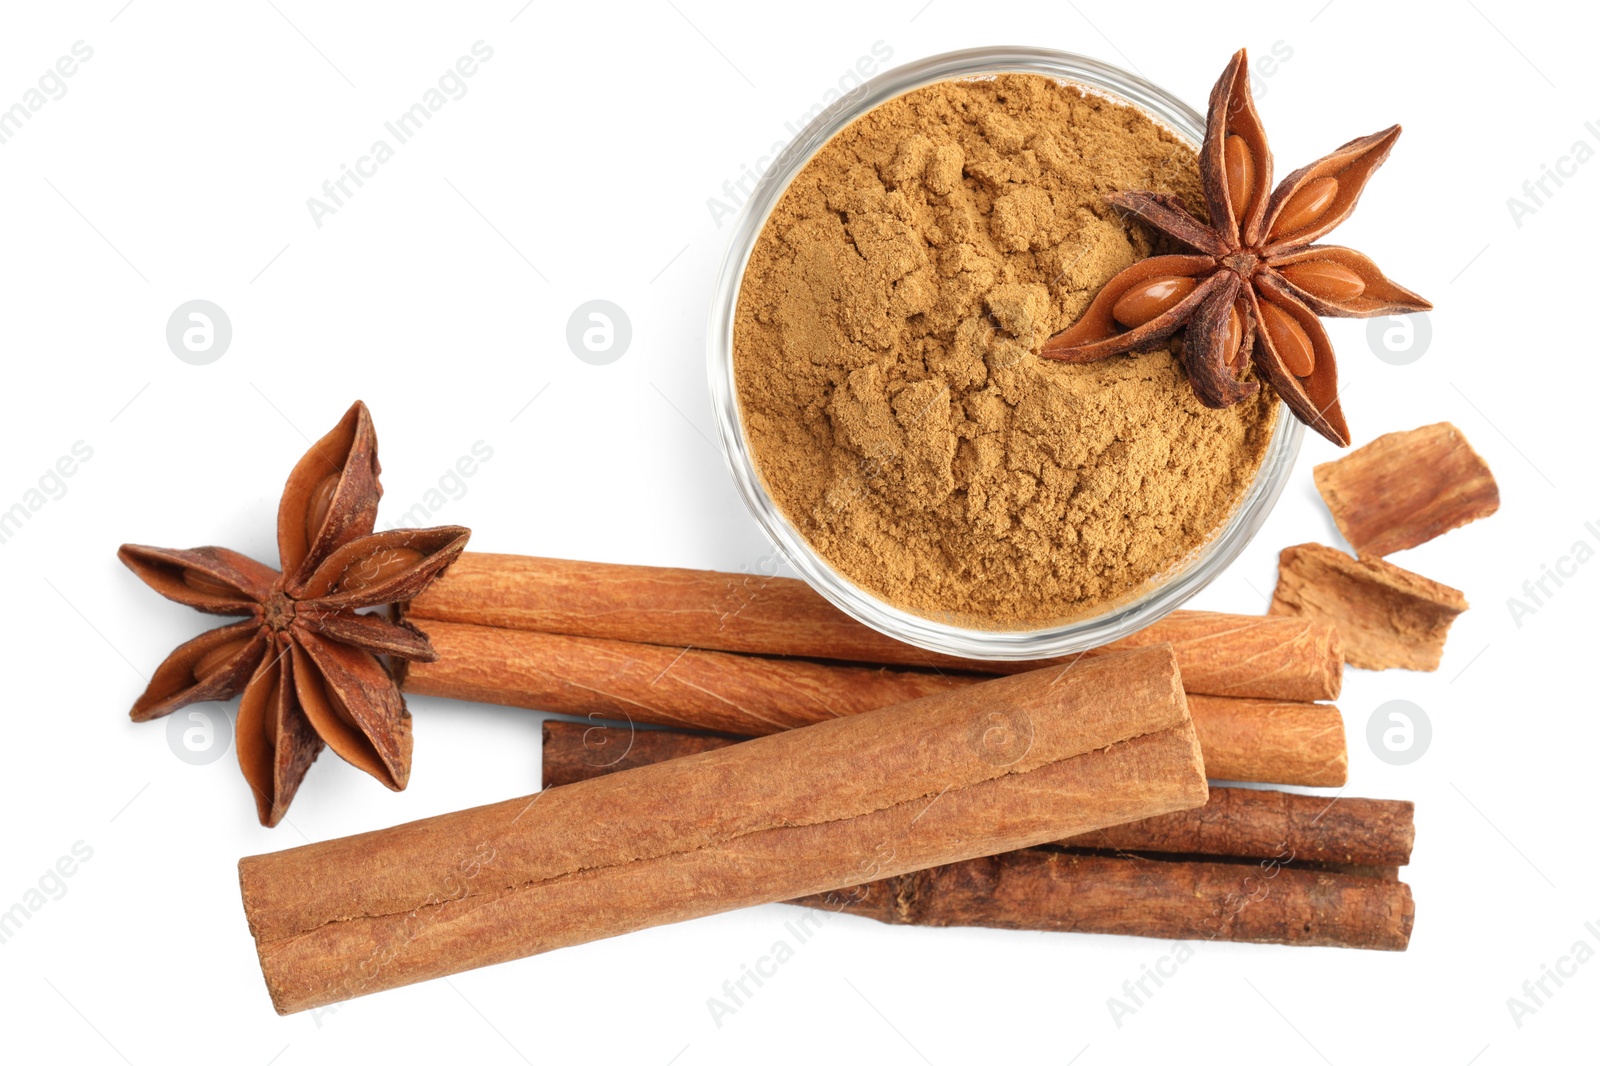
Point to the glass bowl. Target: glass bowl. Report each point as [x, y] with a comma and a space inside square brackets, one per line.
[1163, 594]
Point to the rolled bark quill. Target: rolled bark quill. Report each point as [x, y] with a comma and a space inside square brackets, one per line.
[1243, 739]
[1129, 895]
[1279, 658]
[1277, 899]
[972, 771]
[1248, 823]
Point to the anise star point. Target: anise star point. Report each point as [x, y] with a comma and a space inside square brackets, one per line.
[1254, 283]
[305, 658]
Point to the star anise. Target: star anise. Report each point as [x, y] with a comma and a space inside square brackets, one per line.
[306, 658]
[1255, 283]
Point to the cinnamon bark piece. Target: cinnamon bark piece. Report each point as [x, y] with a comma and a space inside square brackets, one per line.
[1221, 654]
[1238, 822]
[1406, 488]
[1388, 617]
[1133, 896]
[976, 770]
[747, 695]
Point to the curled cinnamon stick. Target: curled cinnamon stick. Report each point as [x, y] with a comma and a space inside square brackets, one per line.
[994, 767]
[1220, 654]
[1243, 740]
[1237, 822]
[1133, 896]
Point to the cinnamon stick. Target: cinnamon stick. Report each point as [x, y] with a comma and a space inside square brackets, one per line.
[685, 687]
[994, 767]
[1389, 617]
[576, 751]
[1271, 741]
[1220, 654]
[1134, 896]
[1406, 488]
[1243, 740]
[1326, 870]
[1239, 822]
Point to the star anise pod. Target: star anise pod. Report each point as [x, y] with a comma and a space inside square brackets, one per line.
[305, 657]
[1255, 283]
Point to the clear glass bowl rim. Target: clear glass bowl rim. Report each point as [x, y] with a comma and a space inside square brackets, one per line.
[1187, 579]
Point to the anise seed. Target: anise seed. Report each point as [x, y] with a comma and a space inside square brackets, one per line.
[342, 711]
[377, 568]
[1231, 353]
[1289, 339]
[1306, 206]
[317, 506]
[335, 704]
[1325, 279]
[1241, 171]
[208, 663]
[1143, 302]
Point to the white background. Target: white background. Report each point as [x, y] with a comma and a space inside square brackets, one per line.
[578, 166]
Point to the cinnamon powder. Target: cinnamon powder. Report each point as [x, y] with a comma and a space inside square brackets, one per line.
[885, 355]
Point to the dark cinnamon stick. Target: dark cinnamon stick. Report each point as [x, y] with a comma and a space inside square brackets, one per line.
[1132, 896]
[995, 767]
[1237, 822]
[1243, 740]
[1220, 654]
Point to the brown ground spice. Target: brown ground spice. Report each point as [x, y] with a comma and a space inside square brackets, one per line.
[885, 356]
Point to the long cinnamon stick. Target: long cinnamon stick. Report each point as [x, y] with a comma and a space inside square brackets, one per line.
[1243, 740]
[1133, 896]
[1220, 654]
[1237, 822]
[978, 769]
[687, 687]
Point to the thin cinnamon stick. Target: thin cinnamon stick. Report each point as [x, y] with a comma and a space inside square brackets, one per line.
[1244, 740]
[988, 768]
[1133, 896]
[687, 687]
[1406, 488]
[1239, 822]
[576, 751]
[1220, 654]
[1389, 617]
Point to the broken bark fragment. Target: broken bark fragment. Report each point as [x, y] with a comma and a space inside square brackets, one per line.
[1388, 617]
[1406, 488]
